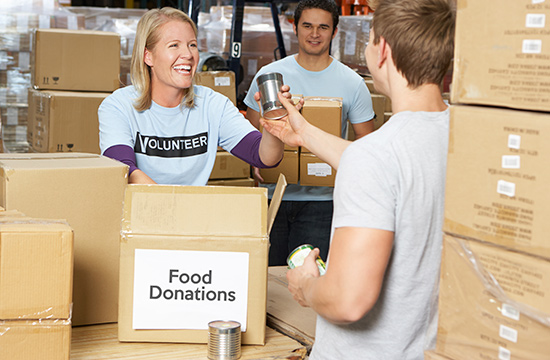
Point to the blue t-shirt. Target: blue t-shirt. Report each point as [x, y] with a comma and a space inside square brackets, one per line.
[174, 146]
[337, 80]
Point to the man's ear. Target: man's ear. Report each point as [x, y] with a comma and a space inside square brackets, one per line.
[147, 57]
[335, 32]
[384, 51]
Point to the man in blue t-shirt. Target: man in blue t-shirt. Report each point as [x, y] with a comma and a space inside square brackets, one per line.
[306, 211]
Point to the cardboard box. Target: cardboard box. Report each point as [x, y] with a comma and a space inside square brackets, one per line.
[79, 60]
[432, 355]
[31, 340]
[36, 269]
[493, 303]
[496, 187]
[203, 257]
[64, 121]
[228, 166]
[289, 167]
[220, 81]
[325, 113]
[87, 190]
[249, 182]
[501, 54]
[315, 172]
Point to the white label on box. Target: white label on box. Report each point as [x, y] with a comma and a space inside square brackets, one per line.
[12, 116]
[535, 20]
[4, 21]
[514, 141]
[252, 67]
[22, 22]
[510, 312]
[349, 46]
[4, 60]
[44, 22]
[48, 6]
[180, 289]
[72, 22]
[531, 46]
[504, 354]
[508, 333]
[506, 188]
[222, 81]
[24, 60]
[538, 1]
[319, 169]
[510, 161]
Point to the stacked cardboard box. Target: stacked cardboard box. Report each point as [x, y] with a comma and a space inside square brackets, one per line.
[72, 72]
[351, 40]
[301, 166]
[494, 285]
[17, 21]
[87, 191]
[203, 258]
[259, 42]
[36, 274]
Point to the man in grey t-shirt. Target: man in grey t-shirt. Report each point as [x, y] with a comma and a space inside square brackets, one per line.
[374, 300]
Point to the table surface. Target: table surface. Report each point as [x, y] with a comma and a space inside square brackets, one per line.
[101, 342]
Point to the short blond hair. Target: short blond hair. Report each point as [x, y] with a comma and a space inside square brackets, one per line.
[147, 37]
[420, 34]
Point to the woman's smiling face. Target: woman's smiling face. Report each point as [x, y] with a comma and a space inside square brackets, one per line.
[173, 60]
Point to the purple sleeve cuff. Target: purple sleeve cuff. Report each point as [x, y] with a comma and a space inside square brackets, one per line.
[123, 153]
[248, 149]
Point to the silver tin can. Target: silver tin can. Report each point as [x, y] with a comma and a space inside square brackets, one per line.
[269, 85]
[224, 340]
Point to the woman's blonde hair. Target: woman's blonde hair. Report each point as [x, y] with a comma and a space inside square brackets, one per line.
[147, 37]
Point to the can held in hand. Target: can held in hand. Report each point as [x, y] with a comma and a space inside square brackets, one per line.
[298, 255]
[224, 340]
[269, 85]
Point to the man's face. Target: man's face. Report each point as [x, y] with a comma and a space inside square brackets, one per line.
[314, 32]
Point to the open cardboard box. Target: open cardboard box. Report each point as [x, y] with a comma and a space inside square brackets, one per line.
[191, 255]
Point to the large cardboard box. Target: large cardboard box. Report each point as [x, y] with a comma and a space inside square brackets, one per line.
[64, 121]
[191, 255]
[315, 172]
[228, 166]
[36, 269]
[497, 184]
[493, 303]
[32, 340]
[220, 81]
[88, 191]
[324, 113]
[80, 60]
[501, 54]
[289, 167]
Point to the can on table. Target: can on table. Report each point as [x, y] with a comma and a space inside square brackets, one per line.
[224, 340]
[298, 255]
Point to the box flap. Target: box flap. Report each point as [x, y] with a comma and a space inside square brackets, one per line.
[276, 201]
[195, 210]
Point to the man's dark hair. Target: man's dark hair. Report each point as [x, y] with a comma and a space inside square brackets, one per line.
[327, 5]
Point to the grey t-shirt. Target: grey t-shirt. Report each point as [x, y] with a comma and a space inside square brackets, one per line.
[393, 179]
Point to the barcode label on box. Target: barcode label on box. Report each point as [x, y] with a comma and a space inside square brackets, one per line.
[514, 141]
[508, 333]
[535, 20]
[506, 188]
[319, 169]
[222, 81]
[510, 162]
[510, 312]
[504, 354]
[531, 46]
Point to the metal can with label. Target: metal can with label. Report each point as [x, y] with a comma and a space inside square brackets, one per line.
[298, 255]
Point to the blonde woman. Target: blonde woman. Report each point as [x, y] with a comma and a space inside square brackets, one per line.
[163, 126]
